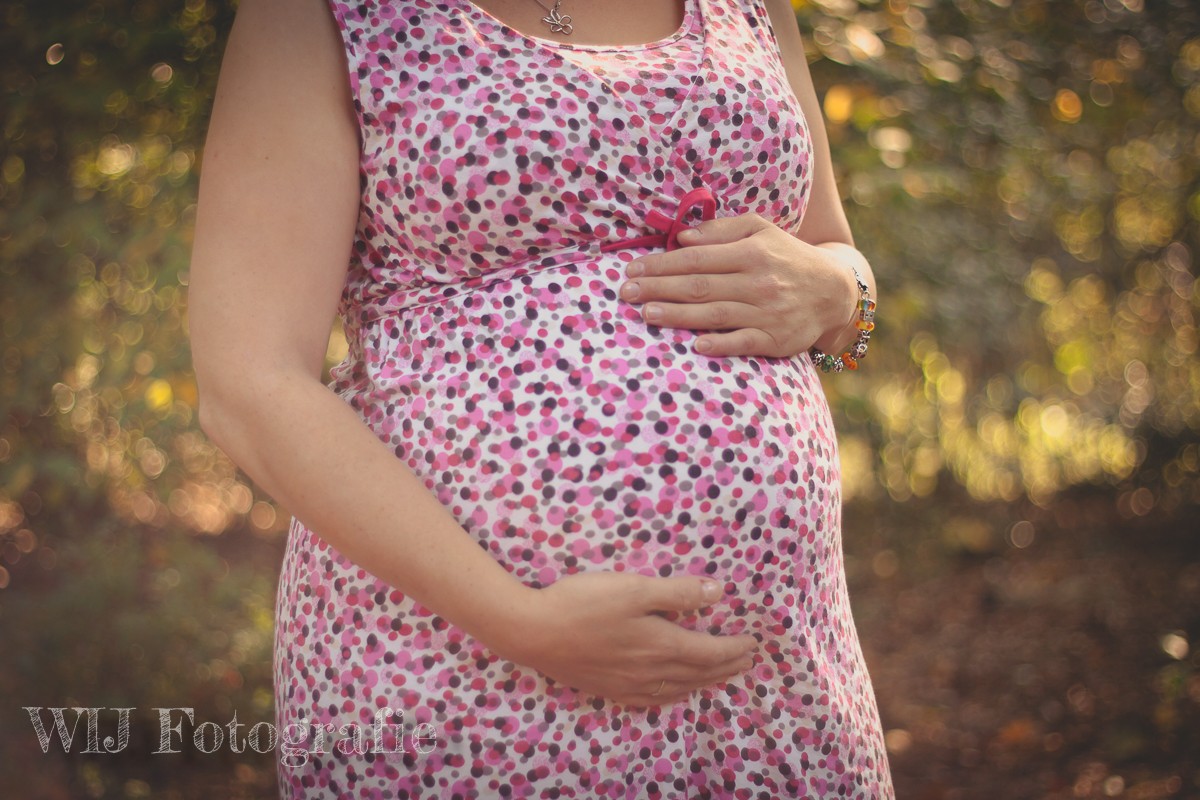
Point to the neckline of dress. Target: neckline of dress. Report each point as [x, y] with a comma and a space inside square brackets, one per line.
[691, 15]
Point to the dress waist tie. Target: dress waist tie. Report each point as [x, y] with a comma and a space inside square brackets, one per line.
[668, 229]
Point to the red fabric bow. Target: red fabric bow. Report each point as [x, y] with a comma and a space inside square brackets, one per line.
[669, 228]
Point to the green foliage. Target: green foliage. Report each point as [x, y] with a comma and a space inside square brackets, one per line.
[1024, 177]
[104, 118]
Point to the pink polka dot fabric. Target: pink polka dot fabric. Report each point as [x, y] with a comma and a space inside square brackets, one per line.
[490, 351]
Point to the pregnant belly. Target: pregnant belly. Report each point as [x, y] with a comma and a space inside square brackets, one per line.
[567, 435]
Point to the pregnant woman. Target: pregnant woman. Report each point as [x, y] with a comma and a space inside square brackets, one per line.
[567, 516]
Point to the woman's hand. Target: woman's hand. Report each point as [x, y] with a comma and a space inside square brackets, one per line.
[602, 633]
[770, 292]
[761, 290]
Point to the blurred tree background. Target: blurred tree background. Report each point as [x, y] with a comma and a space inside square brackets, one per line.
[1021, 450]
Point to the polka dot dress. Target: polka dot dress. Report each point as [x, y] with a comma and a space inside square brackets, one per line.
[489, 350]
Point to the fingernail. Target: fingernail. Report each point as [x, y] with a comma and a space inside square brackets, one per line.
[689, 234]
[711, 591]
[635, 269]
[631, 290]
[654, 313]
[703, 346]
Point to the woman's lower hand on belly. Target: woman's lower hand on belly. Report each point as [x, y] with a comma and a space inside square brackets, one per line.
[599, 633]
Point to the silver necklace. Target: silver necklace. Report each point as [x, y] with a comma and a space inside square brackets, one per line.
[557, 21]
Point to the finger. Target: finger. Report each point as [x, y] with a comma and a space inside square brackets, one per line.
[698, 287]
[706, 650]
[715, 316]
[726, 257]
[724, 229]
[653, 701]
[671, 692]
[681, 593]
[742, 342]
[730, 668]
[684, 675]
[667, 697]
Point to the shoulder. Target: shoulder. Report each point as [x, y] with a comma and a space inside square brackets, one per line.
[283, 65]
[291, 25]
[780, 11]
[787, 30]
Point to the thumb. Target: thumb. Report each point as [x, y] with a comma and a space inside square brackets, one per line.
[683, 593]
[723, 230]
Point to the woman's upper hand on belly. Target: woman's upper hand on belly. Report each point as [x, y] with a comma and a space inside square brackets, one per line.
[600, 633]
[759, 289]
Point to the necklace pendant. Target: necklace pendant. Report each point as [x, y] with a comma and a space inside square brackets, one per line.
[558, 22]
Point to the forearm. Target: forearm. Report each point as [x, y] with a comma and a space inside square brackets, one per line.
[308, 449]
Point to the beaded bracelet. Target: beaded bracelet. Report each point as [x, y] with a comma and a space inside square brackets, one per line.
[864, 324]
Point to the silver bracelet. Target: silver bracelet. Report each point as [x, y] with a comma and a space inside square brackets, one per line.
[864, 324]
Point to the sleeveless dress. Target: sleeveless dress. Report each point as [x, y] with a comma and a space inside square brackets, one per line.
[506, 182]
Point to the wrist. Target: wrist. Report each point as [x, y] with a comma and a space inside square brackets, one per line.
[862, 323]
[841, 332]
[513, 628]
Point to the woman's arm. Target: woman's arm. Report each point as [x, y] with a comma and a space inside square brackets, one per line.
[824, 223]
[279, 200]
